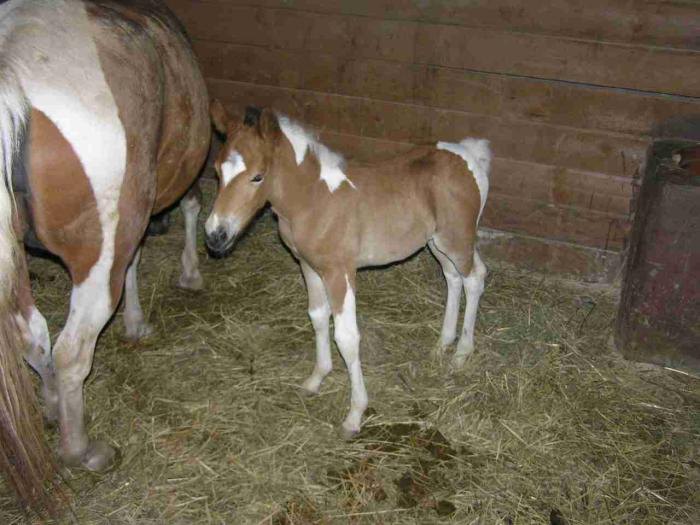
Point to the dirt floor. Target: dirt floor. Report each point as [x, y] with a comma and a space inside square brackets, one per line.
[544, 425]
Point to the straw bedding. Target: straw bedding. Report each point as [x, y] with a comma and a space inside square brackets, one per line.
[546, 424]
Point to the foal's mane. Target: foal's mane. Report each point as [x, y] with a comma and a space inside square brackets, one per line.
[332, 164]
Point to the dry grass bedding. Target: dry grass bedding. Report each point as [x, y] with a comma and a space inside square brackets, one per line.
[544, 425]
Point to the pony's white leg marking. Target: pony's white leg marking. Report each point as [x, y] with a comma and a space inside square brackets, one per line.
[320, 314]
[347, 337]
[134, 320]
[38, 354]
[473, 288]
[90, 309]
[191, 278]
[39, 330]
[454, 296]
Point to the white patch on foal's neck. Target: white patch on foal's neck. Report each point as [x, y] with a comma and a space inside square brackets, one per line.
[477, 154]
[302, 140]
[233, 166]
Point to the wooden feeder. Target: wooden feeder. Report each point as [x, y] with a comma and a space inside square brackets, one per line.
[659, 316]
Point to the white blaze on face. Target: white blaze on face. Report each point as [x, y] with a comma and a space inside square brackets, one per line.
[231, 225]
[477, 155]
[233, 166]
[302, 140]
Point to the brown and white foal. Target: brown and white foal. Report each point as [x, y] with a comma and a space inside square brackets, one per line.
[337, 217]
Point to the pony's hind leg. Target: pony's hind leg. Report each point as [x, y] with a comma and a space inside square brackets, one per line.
[37, 339]
[473, 288]
[191, 278]
[320, 314]
[91, 306]
[134, 320]
[454, 296]
[472, 272]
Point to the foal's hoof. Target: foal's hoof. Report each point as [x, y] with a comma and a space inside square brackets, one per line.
[348, 433]
[311, 387]
[138, 332]
[458, 361]
[97, 457]
[193, 282]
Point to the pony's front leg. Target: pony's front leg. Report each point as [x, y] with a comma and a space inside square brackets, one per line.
[90, 309]
[340, 288]
[191, 204]
[134, 320]
[320, 314]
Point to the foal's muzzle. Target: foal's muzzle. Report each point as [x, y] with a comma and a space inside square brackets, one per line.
[220, 243]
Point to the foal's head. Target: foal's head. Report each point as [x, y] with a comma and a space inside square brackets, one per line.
[242, 165]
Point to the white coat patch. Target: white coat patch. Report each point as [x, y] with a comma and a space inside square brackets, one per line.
[232, 167]
[70, 88]
[477, 155]
[302, 140]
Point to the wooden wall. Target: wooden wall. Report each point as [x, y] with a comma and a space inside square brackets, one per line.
[568, 91]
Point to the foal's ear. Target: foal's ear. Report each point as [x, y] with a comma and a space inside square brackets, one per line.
[219, 116]
[252, 116]
[268, 123]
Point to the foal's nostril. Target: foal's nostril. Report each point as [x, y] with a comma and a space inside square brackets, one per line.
[219, 243]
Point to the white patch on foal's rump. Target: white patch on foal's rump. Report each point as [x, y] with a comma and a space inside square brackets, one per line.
[477, 155]
[233, 166]
[302, 140]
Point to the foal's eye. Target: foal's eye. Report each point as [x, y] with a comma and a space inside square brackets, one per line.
[257, 178]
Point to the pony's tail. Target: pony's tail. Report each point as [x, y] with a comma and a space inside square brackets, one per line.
[26, 461]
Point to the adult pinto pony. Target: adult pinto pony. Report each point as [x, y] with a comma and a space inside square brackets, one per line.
[337, 217]
[104, 121]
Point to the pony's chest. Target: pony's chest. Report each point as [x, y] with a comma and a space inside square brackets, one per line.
[285, 230]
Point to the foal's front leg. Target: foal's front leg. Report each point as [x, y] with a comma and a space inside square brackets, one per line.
[191, 204]
[320, 313]
[340, 289]
[134, 320]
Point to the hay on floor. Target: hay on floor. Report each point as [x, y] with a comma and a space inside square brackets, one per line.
[545, 424]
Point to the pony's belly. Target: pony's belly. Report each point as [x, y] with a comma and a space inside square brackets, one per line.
[387, 249]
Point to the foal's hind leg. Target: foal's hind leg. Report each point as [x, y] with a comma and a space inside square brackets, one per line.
[191, 278]
[134, 320]
[473, 288]
[320, 314]
[472, 271]
[454, 295]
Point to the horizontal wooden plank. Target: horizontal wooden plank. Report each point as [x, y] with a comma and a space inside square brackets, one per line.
[646, 68]
[488, 94]
[299, 30]
[553, 257]
[525, 141]
[531, 217]
[652, 69]
[646, 22]
[552, 102]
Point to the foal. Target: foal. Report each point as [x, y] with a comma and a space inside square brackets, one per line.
[337, 217]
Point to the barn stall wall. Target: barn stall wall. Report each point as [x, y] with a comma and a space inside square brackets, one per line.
[567, 91]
